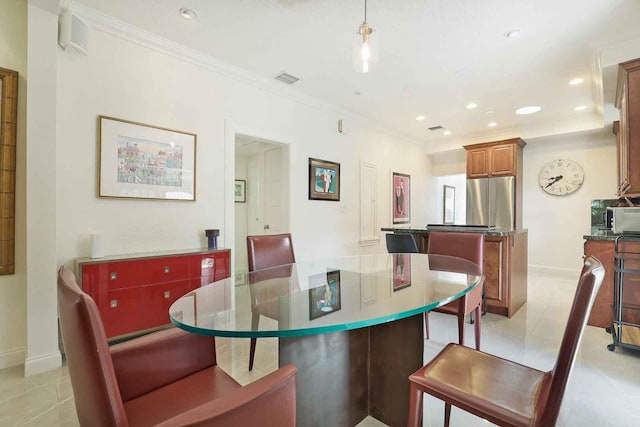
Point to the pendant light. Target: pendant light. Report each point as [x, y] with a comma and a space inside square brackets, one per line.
[365, 48]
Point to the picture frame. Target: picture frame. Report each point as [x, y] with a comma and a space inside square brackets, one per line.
[449, 205]
[324, 180]
[142, 161]
[325, 298]
[401, 198]
[401, 271]
[240, 190]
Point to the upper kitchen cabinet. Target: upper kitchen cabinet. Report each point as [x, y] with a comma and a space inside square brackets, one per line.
[628, 130]
[499, 158]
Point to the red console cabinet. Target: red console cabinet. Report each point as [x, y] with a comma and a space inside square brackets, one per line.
[134, 292]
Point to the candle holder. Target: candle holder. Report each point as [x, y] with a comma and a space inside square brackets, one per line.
[212, 238]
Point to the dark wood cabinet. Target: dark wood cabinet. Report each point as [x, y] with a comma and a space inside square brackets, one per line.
[499, 158]
[134, 293]
[628, 129]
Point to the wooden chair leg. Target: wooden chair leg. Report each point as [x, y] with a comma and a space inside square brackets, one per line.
[478, 324]
[415, 406]
[447, 414]
[426, 324]
[461, 326]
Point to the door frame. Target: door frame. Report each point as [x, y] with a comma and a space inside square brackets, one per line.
[232, 128]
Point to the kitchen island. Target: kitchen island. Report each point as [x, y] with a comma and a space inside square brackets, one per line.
[505, 263]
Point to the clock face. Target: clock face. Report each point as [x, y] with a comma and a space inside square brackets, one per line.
[561, 177]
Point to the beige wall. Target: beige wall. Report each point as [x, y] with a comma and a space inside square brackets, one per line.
[13, 292]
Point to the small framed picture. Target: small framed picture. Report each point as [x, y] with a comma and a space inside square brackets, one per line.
[401, 198]
[240, 191]
[401, 271]
[324, 180]
[325, 297]
[449, 205]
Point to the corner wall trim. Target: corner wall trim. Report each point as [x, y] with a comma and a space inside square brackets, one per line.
[43, 363]
[12, 358]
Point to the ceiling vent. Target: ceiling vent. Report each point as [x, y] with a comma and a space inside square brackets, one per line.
[434, 128]
[286, 78]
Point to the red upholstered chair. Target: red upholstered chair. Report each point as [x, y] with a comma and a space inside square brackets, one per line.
[265, 252]
[469, 246]
[167, 378]
[504, 392]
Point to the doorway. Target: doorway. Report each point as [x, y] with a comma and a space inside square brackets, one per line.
[263, 165]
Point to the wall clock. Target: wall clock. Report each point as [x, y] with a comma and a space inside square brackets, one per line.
[560, 177]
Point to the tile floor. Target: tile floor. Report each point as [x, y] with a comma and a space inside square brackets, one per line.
[604, 389]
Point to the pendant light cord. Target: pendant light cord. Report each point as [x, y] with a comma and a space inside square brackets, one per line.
[365, 10]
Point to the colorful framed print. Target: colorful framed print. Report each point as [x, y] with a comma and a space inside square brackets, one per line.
[401, 198]
[449, 205]
[324, 297]
[324, 180]
[401, 271]
[140, 161]
[240, 191]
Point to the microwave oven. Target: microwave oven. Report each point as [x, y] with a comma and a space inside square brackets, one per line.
[625, 220]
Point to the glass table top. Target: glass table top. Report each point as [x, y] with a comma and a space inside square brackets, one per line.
[320, 296]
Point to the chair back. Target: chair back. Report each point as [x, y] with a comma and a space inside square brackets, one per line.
[95, 388]
[401, 243]
[469, 246]
[269, 251]
[588, 285]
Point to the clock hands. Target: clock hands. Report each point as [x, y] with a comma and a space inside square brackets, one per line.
[553, 181]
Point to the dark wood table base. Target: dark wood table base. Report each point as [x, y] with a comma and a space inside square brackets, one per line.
[345, 376]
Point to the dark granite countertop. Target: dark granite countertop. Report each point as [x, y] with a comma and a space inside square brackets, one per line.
[599, 233]
[485, 231]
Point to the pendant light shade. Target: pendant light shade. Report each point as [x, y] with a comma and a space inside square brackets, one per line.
[365, 47]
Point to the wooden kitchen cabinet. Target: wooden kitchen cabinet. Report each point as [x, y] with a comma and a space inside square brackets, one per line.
[499, 158]
[628, 130]
[505, 273]
[134, 292]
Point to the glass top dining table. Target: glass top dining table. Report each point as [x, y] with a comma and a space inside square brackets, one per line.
[352, 325]
[327, 295]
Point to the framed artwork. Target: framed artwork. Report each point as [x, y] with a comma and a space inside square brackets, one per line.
[140, 161]
[325, 298]
[401, 197]
[240, 191]
[401, 271]
[324, 180]
[449, 205]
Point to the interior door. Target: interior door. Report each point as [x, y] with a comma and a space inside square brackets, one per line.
[274, 216]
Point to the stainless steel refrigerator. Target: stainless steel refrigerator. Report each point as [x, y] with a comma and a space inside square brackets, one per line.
[492, 202]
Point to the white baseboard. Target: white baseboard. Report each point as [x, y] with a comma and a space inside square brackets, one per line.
[46, 362]
[12, 358]
[563, 272]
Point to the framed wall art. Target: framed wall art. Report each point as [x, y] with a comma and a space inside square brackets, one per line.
[324, 180]
[240, 191]
[325, 298]
[401, 198]
[449, 205]
[140, 161]
[401, 271]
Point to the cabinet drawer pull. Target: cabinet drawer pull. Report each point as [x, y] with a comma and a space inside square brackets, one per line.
[167, 294]
[114, 303]
[113, 275]
[166, 268]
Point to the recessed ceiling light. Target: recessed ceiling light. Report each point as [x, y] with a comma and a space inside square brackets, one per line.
[472, 105]
[580, 107]
[492, 124]
[446, 133]
[512, 34]
[420, 118]
[530, 109]
[576, 81]
[188, 13]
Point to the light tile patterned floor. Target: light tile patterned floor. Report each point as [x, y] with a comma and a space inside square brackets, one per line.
[603, 391]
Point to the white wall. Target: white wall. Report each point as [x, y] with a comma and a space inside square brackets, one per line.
[241, 224]
[557, 223]
[125, 80]
[13, 288]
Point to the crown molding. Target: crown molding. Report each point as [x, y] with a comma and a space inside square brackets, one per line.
[109, 25]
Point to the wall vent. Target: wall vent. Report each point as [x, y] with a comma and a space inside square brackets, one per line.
[435, 128]
[286, 78]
